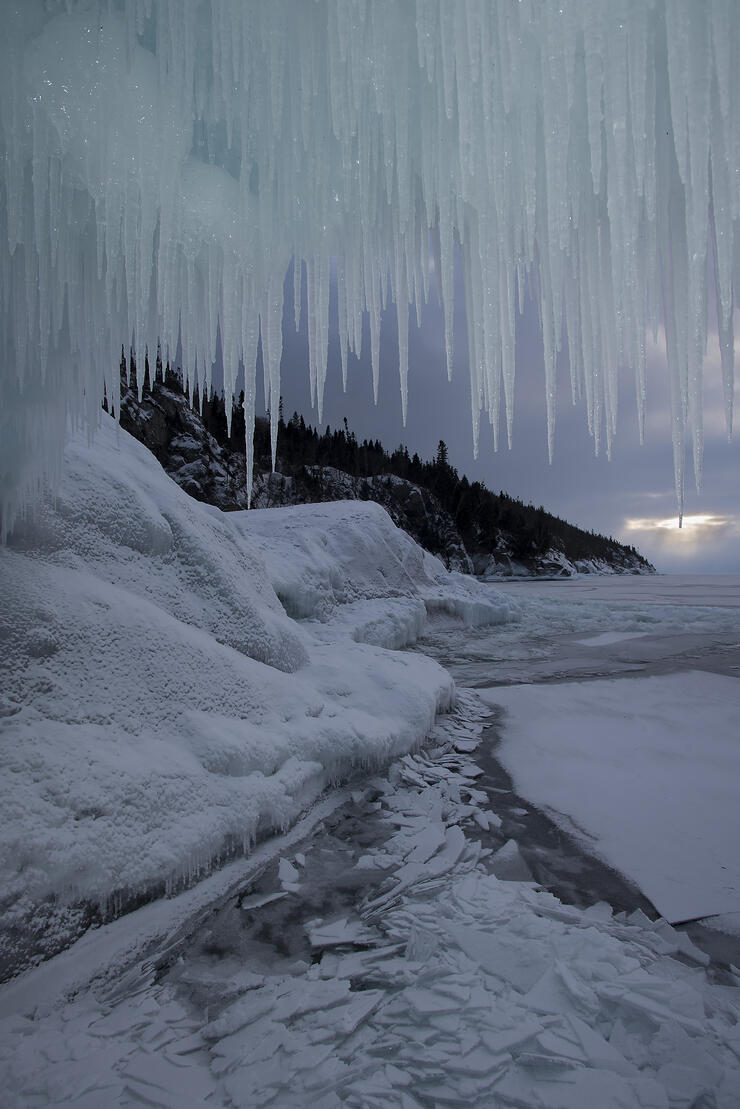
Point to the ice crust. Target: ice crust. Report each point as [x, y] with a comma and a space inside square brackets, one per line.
[163, 164]
[159, 707]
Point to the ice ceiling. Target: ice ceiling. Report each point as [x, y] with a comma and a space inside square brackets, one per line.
[164, 160]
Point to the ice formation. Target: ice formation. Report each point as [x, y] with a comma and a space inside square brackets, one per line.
[214, 716]
[164, 162]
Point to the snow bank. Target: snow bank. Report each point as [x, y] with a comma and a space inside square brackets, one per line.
[158, 707]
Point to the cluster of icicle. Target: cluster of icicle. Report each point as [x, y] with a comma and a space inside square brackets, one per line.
[165, 160]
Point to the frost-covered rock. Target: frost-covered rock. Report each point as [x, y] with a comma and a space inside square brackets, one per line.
[555, 564]
[160, 707]
[173, 430]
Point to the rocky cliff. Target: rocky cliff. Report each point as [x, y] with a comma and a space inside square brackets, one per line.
[489, 535]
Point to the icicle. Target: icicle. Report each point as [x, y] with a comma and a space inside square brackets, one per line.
[342, 313]
[161, 164]
[402, 309]
[249, 343]
[297, 290]
[249, 415]
[271, 317]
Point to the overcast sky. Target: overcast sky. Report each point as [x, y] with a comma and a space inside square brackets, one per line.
[630, 497]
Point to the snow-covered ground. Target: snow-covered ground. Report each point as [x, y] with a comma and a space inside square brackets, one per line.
[159, 708]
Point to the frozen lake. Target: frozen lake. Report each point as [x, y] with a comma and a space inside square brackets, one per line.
[715, 590]
[619, 721]
[584, 628]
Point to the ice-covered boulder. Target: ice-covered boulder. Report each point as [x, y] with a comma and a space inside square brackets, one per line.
[347, 563]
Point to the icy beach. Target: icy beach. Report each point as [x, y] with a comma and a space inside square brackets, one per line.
[184, 691]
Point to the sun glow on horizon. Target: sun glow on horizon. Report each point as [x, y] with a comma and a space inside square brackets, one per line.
[708, 541]
[671, 523]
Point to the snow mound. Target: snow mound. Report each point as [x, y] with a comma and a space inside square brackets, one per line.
[118, 518]
[159, 709]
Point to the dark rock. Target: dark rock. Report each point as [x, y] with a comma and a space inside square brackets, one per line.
[213, 470]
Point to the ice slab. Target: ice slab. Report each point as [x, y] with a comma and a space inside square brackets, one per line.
[337, 933]
[645, 770]
[509, 865]
[606, 638]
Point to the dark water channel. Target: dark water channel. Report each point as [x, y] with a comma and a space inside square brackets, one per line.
[266, 927]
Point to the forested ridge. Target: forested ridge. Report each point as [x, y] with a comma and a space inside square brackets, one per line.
[488, 523]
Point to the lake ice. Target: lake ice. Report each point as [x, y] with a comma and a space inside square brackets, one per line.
[647, 768]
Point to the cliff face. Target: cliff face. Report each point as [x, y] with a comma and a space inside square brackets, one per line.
[176, 435]
[492, 536]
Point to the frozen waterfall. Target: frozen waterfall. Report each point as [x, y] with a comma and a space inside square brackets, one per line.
[164, 160]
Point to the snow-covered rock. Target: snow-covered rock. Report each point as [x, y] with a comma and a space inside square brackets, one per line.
[345, 561]
[554, 564]
[160, 709]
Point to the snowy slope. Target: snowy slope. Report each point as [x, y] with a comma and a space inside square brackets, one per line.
[159, 709]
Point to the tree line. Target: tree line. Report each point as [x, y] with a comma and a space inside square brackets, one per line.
[483, 518]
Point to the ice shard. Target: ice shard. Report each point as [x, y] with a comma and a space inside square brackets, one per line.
[164, 164]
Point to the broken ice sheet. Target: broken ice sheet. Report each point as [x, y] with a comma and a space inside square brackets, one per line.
[487, 820]
[336, 933]
[288, 874]
[509, 865]
[465, 746]
[425, 843]
[500, 955]
[152, 1076]
[259, 900]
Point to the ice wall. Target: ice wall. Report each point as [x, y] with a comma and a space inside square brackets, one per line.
[163, 161]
